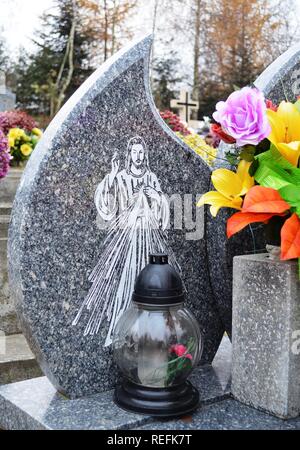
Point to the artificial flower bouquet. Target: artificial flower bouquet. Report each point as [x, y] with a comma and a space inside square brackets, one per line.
[21, 143]
[265, 180]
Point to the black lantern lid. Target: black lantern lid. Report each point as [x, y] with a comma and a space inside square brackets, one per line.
[158, 283]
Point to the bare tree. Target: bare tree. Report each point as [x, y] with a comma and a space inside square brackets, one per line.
[62, 83]
[108, 22]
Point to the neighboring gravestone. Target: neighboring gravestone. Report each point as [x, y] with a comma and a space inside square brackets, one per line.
[281, 80]
[8, 187]
[92, 203]
[7, 98]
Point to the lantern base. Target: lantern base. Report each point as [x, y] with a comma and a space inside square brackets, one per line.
[160, 402]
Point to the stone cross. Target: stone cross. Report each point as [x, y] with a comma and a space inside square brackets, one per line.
[185, 105]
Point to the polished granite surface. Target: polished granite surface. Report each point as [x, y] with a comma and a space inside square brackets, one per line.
[35, 404]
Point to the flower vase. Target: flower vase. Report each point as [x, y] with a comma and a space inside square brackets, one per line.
[266, 334]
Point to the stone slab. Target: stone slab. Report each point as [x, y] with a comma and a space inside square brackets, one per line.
[266, 329]
[4, 222]
[5, 208]
[55, 241]
[225, 415]
[9, 185]
[4, 286]
[17, 362]
[35, 404]
[9, 323]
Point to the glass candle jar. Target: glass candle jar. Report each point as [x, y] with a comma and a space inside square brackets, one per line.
[157, 343]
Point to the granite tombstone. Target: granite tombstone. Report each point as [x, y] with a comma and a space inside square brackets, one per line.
[7, 98]
[108, 183]
[281, 80]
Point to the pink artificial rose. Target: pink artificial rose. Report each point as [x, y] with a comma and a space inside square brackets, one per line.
[243, 116]
[180, 351]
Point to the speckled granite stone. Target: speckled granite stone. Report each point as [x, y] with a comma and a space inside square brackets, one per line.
[34, 404]
[281, 80]
[214, 381]
[54, 243]
[266, 326]
[226, 415]
[221, 252]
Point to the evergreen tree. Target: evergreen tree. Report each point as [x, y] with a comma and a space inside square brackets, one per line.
[165, 79]
[49, 76]
[3, 54]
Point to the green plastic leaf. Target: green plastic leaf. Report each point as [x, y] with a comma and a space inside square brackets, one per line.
[291, 194]
[274, 171]
[271, 176]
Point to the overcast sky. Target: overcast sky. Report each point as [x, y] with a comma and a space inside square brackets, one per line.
[19, 19]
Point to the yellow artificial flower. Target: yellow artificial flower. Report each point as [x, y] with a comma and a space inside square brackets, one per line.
[26, 149]
[11, 142]
[285, 134]
[16, 133]
[230, 187]
[37, 132]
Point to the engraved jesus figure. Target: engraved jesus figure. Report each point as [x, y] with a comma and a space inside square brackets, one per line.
[131, 200]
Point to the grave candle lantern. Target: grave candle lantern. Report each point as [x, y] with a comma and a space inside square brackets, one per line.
[157, 343]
